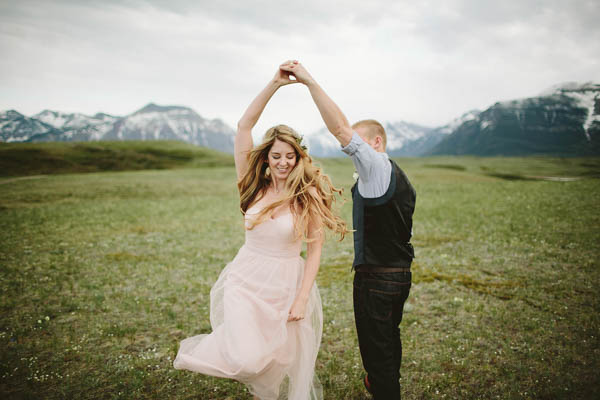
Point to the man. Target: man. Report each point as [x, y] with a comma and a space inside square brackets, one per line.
[383, 205]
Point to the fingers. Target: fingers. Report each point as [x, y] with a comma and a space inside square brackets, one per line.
[290, 62]
[289, 65]
[290, 76]
[292, 318]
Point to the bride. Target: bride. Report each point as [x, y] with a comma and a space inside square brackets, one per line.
[266, 312]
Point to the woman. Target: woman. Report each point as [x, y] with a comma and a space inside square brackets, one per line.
[265, 306]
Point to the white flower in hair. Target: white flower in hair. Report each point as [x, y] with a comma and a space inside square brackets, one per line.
[299, 140]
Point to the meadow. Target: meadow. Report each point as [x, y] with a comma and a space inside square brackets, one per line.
[103, 273]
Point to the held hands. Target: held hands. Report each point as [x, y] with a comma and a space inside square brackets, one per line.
[297, 311]
[292, 71]
[292, 68]
[283, 77]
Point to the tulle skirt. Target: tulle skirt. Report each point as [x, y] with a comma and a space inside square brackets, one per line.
[251, 340]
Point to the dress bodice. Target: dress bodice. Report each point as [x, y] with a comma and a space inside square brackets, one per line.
[274, 236]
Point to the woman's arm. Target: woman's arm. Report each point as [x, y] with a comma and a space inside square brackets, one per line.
[243, 138]
[311, 267]
[333, 117]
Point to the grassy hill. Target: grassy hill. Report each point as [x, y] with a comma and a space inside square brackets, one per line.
[26, 159]
[19, 159]
[103, 274]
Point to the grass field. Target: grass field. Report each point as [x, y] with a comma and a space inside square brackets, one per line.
[17, 159]
[103, 273]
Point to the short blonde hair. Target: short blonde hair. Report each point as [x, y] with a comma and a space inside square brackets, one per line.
[373, 128]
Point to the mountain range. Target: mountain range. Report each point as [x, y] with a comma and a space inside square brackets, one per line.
[151, 122]
[563, 120]
[404, 139]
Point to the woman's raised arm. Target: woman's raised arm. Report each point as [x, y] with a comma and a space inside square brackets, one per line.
[243, 139]
[334, 118]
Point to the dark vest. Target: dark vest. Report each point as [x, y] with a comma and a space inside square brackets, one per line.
[384, 224]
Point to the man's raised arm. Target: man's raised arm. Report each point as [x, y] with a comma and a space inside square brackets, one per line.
[334, 118]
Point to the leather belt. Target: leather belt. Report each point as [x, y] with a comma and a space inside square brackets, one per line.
[376, 269]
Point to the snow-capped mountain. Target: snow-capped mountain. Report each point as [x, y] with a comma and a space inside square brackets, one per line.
[152, 122]
[76, 126]
[173, 123]
[404, 139]
[403, 136]
[16, 127]
[400, 136]
[322, 144]
[413, 140]
[564, 120]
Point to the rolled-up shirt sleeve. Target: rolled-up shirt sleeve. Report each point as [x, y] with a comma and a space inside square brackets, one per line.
[374, 168]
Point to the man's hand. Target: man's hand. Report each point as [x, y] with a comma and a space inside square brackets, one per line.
[333, 117]
[297, 70]
[282, 78]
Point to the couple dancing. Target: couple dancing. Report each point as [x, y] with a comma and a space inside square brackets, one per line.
[266, 311]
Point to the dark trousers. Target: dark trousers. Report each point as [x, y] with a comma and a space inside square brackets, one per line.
[378, 303]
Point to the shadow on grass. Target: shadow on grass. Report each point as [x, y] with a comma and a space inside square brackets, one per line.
[492, 288]
[454, 167]
[510, 177]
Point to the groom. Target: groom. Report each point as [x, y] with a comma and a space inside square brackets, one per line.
[383, 205]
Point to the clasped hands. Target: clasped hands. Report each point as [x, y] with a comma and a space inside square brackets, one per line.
[292, 69]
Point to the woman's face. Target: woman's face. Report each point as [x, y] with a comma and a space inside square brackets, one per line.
[282, 159]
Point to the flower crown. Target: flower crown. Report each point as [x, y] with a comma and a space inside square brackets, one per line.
[299, 141]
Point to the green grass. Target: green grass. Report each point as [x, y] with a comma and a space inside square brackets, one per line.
[18, 159]
[102, 274]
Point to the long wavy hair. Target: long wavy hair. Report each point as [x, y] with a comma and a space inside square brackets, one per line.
[306, 205]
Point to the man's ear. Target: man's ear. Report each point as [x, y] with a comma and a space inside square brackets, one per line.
[378, 142]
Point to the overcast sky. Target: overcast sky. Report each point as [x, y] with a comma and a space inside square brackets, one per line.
[424, 62]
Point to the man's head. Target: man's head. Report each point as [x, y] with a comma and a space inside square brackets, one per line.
[372, 132]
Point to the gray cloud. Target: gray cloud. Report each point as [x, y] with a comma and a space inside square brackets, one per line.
[425, 62]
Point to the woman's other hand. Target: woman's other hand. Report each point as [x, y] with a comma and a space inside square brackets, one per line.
[297, 311]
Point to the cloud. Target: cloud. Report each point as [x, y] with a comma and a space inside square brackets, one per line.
[425, 62]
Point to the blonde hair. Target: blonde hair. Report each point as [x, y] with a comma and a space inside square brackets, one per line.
[314, 204]
[374, 128]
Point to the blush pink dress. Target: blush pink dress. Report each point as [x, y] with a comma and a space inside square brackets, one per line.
[251, 340]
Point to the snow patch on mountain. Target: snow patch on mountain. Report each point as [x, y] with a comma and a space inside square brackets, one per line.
[322, 143]
[455, 123]
[587, 95]
[400, 133]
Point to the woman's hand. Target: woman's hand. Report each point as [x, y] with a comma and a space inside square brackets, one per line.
[296, 69]
[297, 311]
[283, 78]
